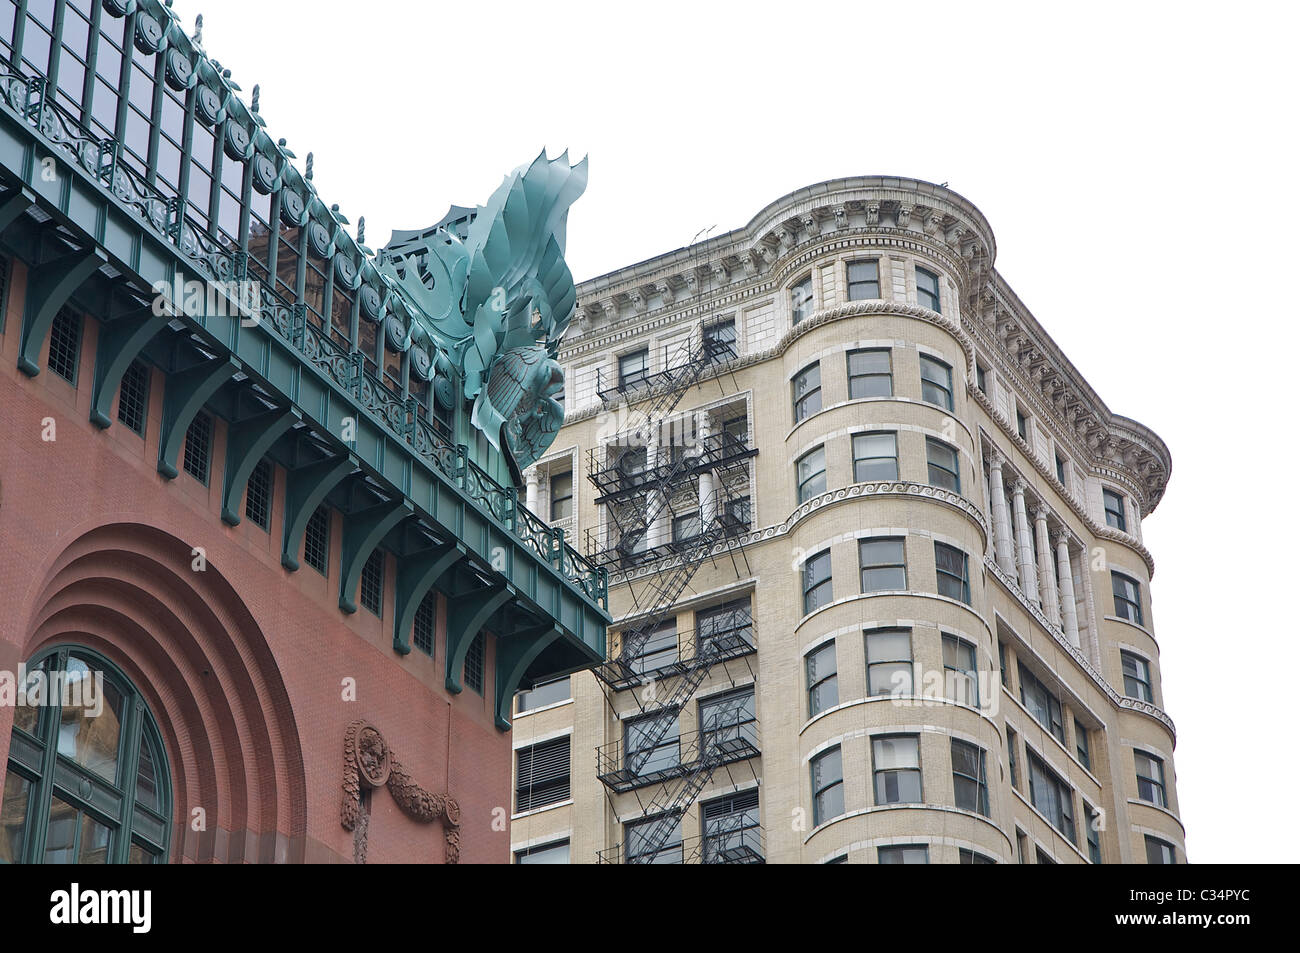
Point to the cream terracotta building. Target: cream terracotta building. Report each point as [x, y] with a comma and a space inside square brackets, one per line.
[901, 537]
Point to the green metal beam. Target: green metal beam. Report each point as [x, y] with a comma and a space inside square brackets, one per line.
[514, 654]
[416, 575]
[14, 202]
[467, 613]
[49, 286]
[306, 490]
[187, 391]
[247, 441]
[120, 342]
[362, 532]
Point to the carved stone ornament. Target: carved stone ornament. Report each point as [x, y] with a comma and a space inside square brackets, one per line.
[368, 763]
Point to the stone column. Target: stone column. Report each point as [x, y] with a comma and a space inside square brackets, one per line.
[530, 498]
[1069, 613]
[1024, 549]
[708, 492]
[1046, 573]
[1002, 545]
[660, 527]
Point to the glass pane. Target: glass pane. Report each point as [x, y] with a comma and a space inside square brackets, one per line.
[882, 552]
[868, 362]
[139, 855]
[874, 580]
[899, 752]
[61, 833]
[889, 647]
[13, 817]
[94, 842]
[146, 782]
[90, 721]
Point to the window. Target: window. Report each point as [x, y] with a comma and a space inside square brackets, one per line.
[686, 527]
[737, 430]
[657, 649]
[641, 837]
[927, 289]
[870, 374]
[864, 280]
[968, 856]
[542, 775]
[133, 397]
[1051, 796]
[633, 368]
[889, 662]
[737, 511]
[807, 391]
[823, 680]
[810, 472]
[720, 341]
[884, 567]
[981, 377]
[801, 300]
[724, 628]
[553, 853]
[817, 581]
[903, 854]
[1081, 744]
[547, 693]
[1150, 778]
[198, 447]
[944, 471]
[875, 457]
[475, 662]
[1013, 742]
[372, 582]
[1060, 470]
[960, 671]
[729, 721]
[969, 784]
[951, 566]
[65, 345]
[632, 460]
[1137, 677]
[1002, 664]
[257, 503]
[1114, 506]
[561, 495]
[422, 629]
[827, 786]
[1043, 857]
[316, 541]
[106, 753]
[652, 744]
[1022, 846]
[1022, 425]
[1092, 818]
[731, 828]
[1128, 597]
[1042, 704]
[936, 382]
[1159, 851]
[896, 769]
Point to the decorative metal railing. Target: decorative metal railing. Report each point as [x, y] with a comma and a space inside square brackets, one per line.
[26, 97]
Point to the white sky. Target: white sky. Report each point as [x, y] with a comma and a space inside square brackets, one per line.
[1136, 162]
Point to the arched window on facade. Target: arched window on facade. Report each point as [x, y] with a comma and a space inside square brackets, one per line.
[87, 778]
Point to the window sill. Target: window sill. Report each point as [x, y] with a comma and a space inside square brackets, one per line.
[541, 708]
[541, 810]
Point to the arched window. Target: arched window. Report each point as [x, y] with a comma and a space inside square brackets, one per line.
[87, 778]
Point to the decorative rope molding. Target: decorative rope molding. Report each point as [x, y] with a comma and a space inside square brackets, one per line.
[369, 763]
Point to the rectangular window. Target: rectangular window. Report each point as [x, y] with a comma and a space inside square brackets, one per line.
[1150, 778]
[944, 471]
[870, 374]
[817, 581]
[652, 744]
[1137, 677]
[725, 628]
[257, 501]
[561, 496]
[981, 377]
[810, 473]
[1042, 704]
[1114, 505]
[875, 457]
[896, 769]
[1128, 597]
[1002, 664]
[372, 582]
[1022, 846]
[952, 572]
[65, 345]
[1159, 851]
[1093, 832]
[889, 662]
[633, 368]
[475, 663]
[1022, 424]
[927, 289]
[1081, 744]
[657, 650]
[864, 280]
[198, 447]
[686, 527]
[823, 679]
[936, 382]
[960, 671]
[554, 853]
[827, 786]
[801, 300]
[728, 722]
[969, 783]
[807, 391]
[903, 854]
[720, 341]
[133, 397]
[883, 565]
[1060, 471]
[1042, 857]
[967, 856]
[1013, 740]
[547, 693]
[1051, 796]
[316, 541]
[731, 828]
[641, 836]
[542, 774]
[425, 619]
